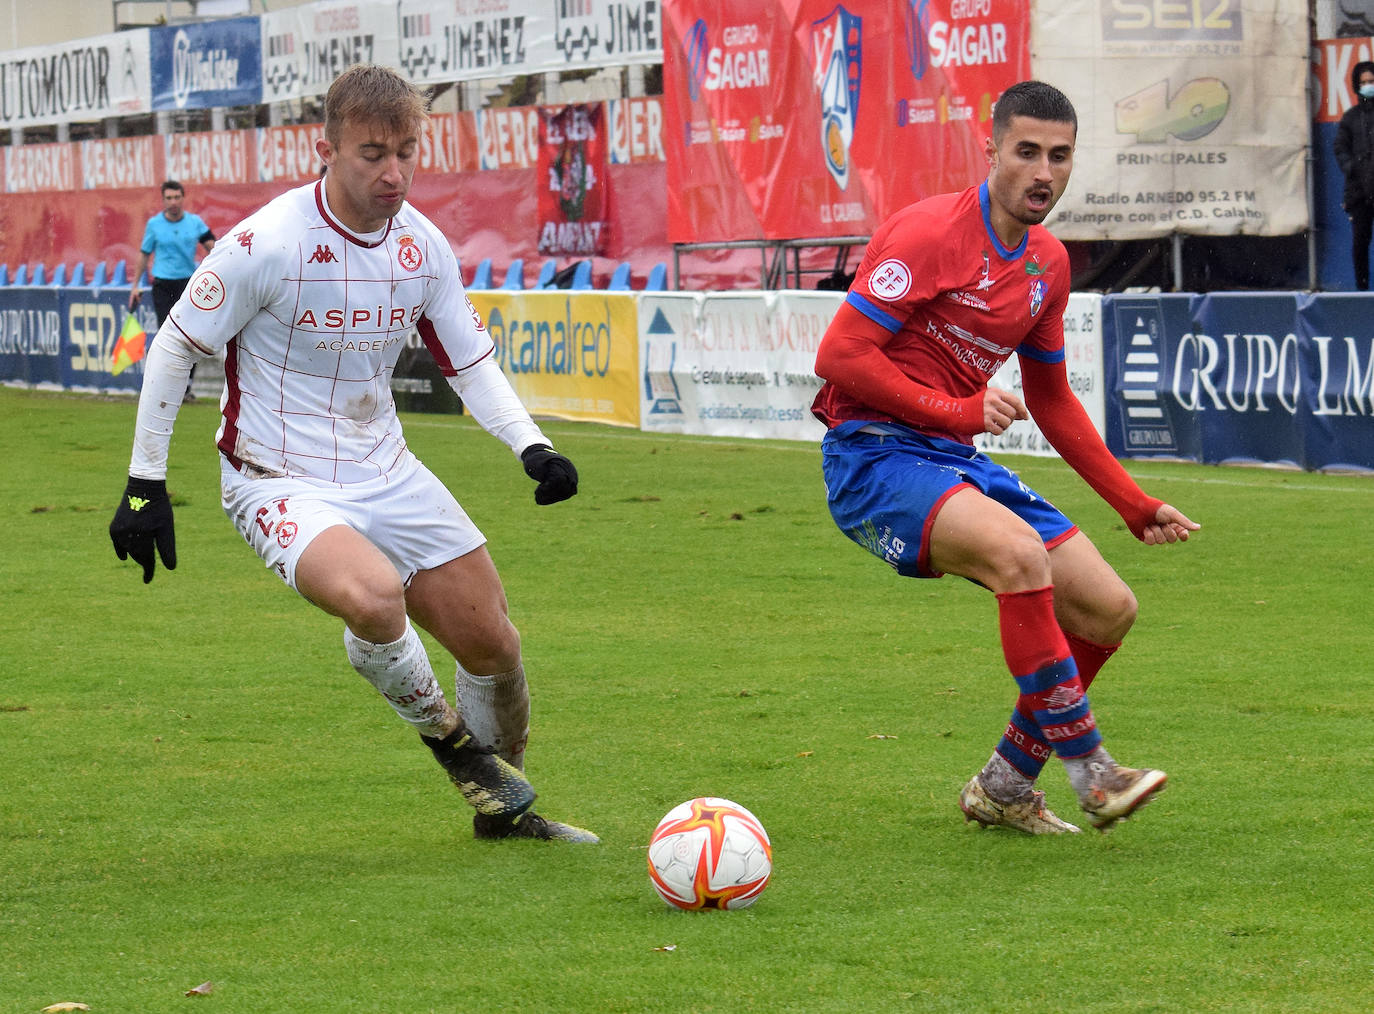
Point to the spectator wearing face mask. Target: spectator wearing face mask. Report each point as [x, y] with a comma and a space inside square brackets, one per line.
[1354, 151]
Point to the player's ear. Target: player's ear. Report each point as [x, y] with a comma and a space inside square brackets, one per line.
[325, 150]
[990, 153]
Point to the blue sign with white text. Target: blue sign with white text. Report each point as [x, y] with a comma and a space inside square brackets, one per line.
[205, 64]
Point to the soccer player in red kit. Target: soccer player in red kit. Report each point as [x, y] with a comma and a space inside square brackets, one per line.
[947, 290]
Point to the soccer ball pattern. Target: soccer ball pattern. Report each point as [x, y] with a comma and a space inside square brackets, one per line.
[710, 853]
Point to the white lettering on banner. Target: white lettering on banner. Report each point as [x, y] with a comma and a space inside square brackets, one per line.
[288, 153]
[207, 157]
[1357, 394]
[200, 70]
[509, 138]
[30, 332]
[438, 144]
[738, 69]
[33, 167]
[967, 45]
[124, 162]
[94, 329]
[1265, 360]
[637, 130]
[570, 238]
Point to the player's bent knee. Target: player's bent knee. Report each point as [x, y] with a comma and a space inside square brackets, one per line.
[1021, 563]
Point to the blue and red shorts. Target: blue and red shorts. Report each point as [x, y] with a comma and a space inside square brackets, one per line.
[885, 483]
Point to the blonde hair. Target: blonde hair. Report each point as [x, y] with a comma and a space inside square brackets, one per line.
[368, 93]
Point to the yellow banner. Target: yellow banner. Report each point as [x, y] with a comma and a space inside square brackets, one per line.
[571, 355]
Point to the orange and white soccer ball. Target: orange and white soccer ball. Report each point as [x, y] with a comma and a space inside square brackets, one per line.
[710, 853]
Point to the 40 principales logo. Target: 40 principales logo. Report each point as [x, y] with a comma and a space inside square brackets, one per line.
[408, 253]
[837, 61]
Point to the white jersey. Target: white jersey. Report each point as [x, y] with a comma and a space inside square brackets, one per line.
[312, 318]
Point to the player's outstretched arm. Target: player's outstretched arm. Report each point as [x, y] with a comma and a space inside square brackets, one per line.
[1170, 525]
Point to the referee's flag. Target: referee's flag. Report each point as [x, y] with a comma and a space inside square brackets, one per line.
[129, 348]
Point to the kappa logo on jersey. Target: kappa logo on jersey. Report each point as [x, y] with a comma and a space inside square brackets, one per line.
[207, 291]
[324, 254]
[890, 280]
[1037, 295]
[409, 256]
[476, 317]
[245, 238]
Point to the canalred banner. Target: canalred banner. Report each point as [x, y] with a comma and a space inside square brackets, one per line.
[805, 118]
[573, 174]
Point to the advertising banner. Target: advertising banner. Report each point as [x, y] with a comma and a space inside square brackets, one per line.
[1240, 377]
[80, 80]
[1083, 360]
[119, 163]
[459, 40]
[735, 364]
[568, 355]
[1193, 118]
[805, 118]
[305, 48]
[203, 64]
[574, 188]
[64, 337]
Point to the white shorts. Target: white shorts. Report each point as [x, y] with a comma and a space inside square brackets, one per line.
[409, 515]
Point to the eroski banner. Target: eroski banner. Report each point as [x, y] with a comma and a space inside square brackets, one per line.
[1193, 118]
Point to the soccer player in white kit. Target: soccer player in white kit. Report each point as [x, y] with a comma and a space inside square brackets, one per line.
[311, 299]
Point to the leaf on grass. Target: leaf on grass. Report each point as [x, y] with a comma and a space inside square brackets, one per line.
[667, 947]
[881, 735]
[57, 1008]
[806, 753]
[204, 989]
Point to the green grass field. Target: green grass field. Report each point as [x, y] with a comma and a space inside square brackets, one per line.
[196, 787]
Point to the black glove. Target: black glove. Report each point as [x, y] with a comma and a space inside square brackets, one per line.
[555, 474]
[144, 520]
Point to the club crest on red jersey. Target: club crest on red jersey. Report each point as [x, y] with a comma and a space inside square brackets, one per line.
[1037, 295]
[408, 255]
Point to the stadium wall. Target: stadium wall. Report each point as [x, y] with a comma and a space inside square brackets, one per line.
[1277, 378]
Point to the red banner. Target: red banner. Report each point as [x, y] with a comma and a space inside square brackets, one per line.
[787, 119]
[574, 209]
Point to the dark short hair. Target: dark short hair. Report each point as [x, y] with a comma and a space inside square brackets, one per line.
[173, 185]
[1036, 99]
[369, 93]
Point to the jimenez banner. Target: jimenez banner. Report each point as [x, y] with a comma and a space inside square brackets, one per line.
[573, 174]
[803, 118]
[1193, 118]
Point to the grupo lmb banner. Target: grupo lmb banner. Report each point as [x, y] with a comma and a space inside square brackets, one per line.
[1192, 118]
[807, 118]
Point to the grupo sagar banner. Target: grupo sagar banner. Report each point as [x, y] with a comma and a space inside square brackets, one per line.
[807, 118]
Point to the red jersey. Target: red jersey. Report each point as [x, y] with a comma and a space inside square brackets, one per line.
[957, 301]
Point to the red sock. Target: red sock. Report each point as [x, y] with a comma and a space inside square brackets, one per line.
[1089, 656]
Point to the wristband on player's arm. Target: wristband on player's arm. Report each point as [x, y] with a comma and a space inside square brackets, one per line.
[142, 523]
[555, 474]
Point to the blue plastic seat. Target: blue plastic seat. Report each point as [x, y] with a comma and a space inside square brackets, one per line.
[98, 279]
[40, 274]
[546, 272]
[582, 275]
[59, 275]
[121, 274]
[658, 278]
[78, 277]
[515, 275]
[620, 278]
[4, 274]
[481, 278]
[21, 275]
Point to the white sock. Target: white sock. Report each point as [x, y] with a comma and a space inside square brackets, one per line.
[1083, 771]
[402, 674]
[496, 710]
[1003, 782]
